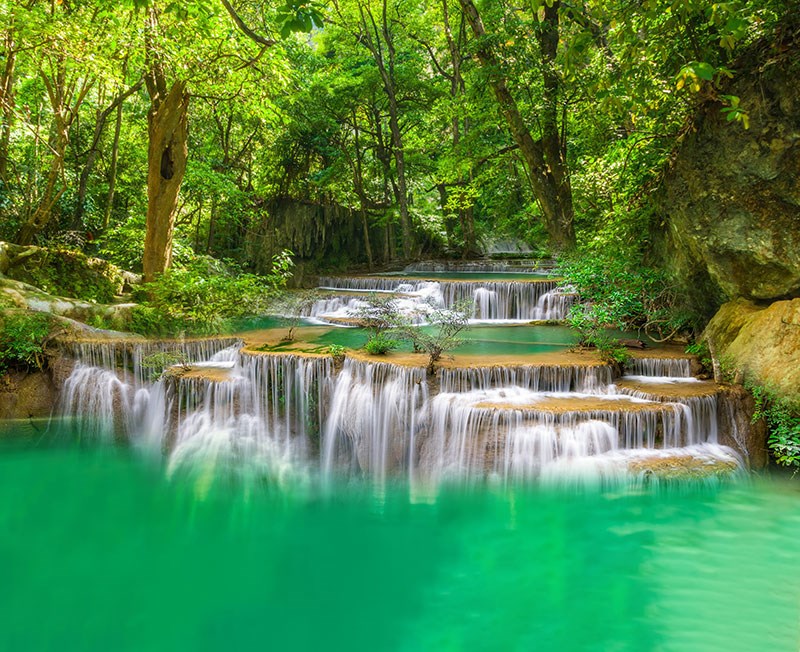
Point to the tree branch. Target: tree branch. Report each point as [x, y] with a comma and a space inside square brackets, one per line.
[244, 28]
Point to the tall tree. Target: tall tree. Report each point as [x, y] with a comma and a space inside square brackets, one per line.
[167, 151]
[546, 156]
[375, 30]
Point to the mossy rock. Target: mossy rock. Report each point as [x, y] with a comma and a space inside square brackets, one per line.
[22, 296]
[63, 272]
[762, 342]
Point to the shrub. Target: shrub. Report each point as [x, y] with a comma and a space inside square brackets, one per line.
[203, 297]
[337, 352]
[291, 307]
[22, 339]
[612, 351]
[782, 417]
[160, 363]
[378, 314]
[624, 294]
[447, 326]
[380, 344]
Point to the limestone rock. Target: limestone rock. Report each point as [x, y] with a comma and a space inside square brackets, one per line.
[737, 429]
[763, 342]
[25, 296]
[731, 198]
[26, 395]
[64, 272]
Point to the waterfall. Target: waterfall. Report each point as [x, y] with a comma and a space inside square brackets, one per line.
[373, 418]
[276, 415]
[540, 378]
[677, 367]
[263, 412]
[497, 431]
[494, 300]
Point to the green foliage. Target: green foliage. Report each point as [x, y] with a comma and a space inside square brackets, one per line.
[337, 352]
[442, 333]
[22, 339]
[299, 16]
[160, 362]
[700, 349]
[69, 273]
[380, 344]
[615, 293]
[611, 351]
[204, 296]
[308, 120]
[782, 417]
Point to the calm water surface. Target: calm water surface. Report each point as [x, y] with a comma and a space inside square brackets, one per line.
[100, 550]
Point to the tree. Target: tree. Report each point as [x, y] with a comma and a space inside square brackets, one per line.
[545, 157]
[168, 149]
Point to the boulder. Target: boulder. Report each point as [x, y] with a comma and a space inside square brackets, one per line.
[24, 296]
[731, 197]
[764, 342]
[64, 272]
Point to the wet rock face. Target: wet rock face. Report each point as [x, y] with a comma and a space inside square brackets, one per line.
[737, 429]
[26, 395]
[731, 200]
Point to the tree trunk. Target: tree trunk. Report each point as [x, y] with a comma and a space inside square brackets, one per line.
[41, 216]
[386, 71]
[112, 171]
[166, 164]
[7, 100]
[65, 100]
[547, 176]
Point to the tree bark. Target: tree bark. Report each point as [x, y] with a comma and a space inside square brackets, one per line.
[166, 164]
[546, 166]
[112, 171]
[7, 99]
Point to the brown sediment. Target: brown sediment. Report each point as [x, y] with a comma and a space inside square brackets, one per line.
[671, 390]
[213, 374]
[558, 405]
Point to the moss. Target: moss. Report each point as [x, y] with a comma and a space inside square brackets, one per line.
[64, 272]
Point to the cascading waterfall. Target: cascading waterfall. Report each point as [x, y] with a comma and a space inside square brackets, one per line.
[676, 367]
[491, 431]
[269, 415]
[494, 300]
[262, 418]
[539, 378]
[261, 414]
[373, 418]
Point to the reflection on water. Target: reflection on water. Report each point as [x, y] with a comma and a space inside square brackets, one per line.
[100, 550]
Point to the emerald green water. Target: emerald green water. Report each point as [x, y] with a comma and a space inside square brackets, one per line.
[100, 551]
[478, 340]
